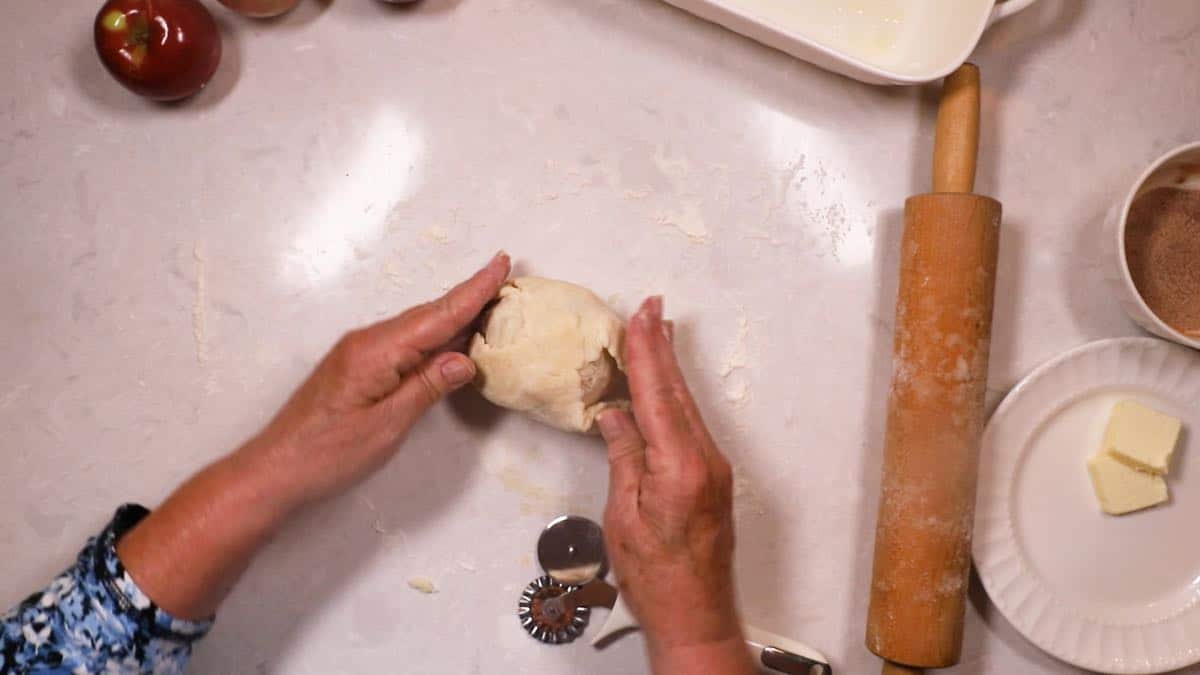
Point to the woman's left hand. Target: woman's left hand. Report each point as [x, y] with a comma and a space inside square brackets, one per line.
[348, 418]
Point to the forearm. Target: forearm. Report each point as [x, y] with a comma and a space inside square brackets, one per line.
[726, 657]
[190, 551]
[94, 616]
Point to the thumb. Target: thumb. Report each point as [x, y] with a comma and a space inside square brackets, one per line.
[626, 456]
[424, 386]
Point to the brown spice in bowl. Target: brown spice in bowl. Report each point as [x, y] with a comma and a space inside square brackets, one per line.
[1162, 246]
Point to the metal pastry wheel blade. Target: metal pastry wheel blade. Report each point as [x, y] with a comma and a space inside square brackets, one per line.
[571, 550]
[545, 621]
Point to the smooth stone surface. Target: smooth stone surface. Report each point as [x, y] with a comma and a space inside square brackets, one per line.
[170, 273]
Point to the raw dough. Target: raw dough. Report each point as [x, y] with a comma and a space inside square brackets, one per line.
[552, 350]
[422, 585]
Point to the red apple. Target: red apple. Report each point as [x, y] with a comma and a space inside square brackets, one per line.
[161, 49]
[260, 9]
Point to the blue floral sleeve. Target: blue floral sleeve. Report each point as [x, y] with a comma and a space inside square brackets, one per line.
[93, 619]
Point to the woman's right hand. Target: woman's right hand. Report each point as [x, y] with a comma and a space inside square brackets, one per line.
[669, 520]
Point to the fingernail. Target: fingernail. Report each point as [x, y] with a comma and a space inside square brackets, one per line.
[651, 309]
[668, 330]
[610, 426]
[501, 255]
[457, 371]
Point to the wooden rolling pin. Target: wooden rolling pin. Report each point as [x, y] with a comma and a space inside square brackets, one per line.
[936, 407]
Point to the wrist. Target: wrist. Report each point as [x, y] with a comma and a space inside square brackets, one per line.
[727, 656]
[187, 553]
[690, 611]
[267, 489]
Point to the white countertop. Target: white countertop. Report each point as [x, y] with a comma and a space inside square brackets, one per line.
[170, 274]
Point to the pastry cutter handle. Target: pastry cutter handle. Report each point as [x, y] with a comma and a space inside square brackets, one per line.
[773, 652]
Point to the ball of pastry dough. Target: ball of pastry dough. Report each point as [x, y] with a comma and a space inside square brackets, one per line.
[551, 350]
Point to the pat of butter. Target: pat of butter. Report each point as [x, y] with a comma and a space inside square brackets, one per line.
[1122, 488]
[1141, 437]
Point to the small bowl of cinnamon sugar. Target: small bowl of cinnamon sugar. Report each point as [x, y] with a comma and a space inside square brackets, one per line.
[1158, 247]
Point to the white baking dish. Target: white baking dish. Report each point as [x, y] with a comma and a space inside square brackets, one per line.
[875, 41]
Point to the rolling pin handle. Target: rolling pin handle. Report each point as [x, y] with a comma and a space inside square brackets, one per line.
[956, 139]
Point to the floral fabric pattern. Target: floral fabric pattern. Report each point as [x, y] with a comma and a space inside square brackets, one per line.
[94, 620]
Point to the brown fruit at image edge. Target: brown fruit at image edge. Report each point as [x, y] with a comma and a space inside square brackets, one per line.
[165, 50]
[260, 9]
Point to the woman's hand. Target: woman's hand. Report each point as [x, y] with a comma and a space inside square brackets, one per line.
[669, 521]
[344, 422]
[347, 419]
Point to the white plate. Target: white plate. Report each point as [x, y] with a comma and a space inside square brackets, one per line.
[1116, 594]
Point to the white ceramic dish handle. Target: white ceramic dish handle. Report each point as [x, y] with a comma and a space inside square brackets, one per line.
[1003, 10]
[621, 619]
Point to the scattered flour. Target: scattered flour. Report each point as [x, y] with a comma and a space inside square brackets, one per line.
[687, 219]
[737, 392]
[377, 523]
[200, 316]
[817, 198]
[746, 500]
[436, 234]
[733, 371]
[737, 357]
[200, 304]
[393, 275]
[513, 468]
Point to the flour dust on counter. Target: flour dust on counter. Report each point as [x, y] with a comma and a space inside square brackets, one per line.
[737, 357]
[735, 379]
[747, 500]
[524, 474]
[684, 213]
[200, 303]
